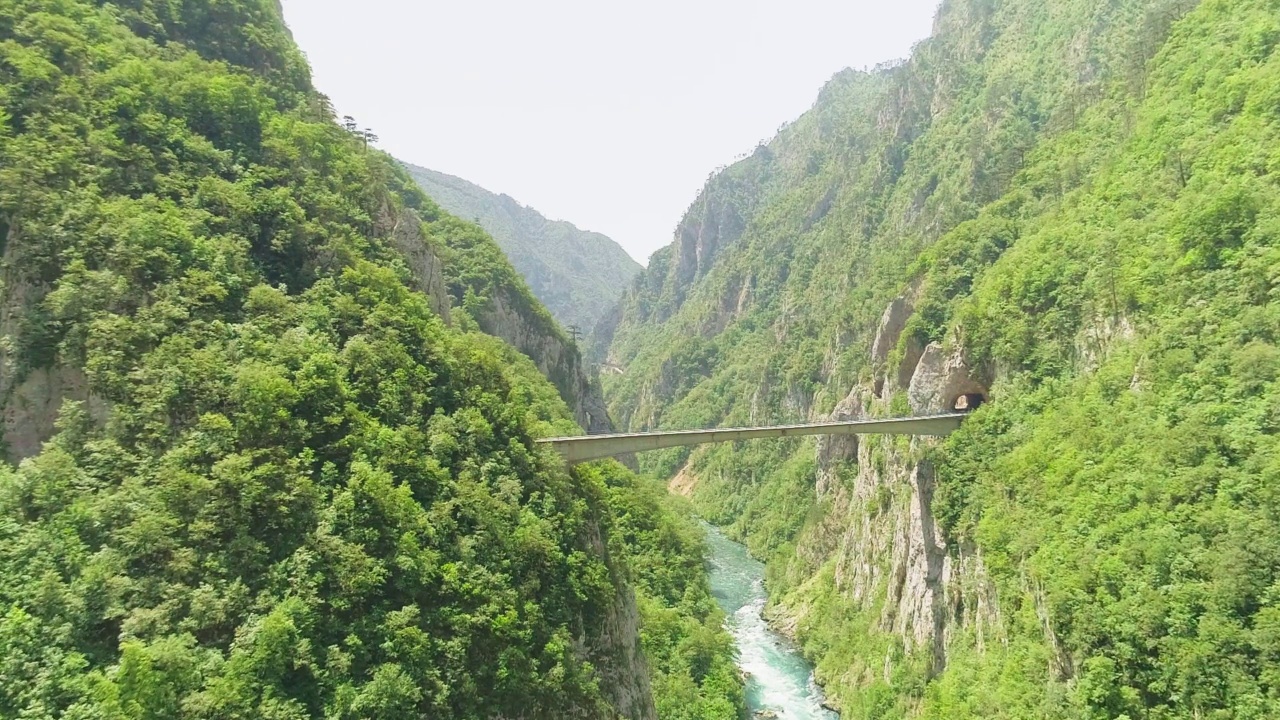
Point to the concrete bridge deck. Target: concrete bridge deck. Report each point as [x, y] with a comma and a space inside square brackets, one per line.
[594, 447]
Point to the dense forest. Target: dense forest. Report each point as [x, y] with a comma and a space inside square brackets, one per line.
[270, 412]
[1071, 208]
[264, 462]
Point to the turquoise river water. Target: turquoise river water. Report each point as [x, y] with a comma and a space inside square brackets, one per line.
[779, 681]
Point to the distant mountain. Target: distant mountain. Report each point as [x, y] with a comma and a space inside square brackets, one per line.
[577, 274]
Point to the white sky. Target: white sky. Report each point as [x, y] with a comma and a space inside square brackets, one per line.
[610, 115]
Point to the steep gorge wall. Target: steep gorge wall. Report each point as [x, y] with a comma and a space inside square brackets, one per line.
[34, 388]
[557, 358]
[714, 222]
[507, 317]
[878, 535]
[1041, 207]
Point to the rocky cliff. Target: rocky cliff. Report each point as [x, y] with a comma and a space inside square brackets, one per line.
[556, 356]
[879, 535]
[714, 222]
[426, 269]
[484, 285]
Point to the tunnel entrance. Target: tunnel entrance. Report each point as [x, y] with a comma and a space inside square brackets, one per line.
[968, 402]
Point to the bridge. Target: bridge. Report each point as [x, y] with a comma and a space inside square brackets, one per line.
[593, 447]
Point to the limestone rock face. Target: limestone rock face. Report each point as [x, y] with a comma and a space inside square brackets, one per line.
[890, 331]
[914, 350]
[405, 231]
[833, 449]
[1096, 339]
[940, 378]
[714, 223]
[614, 649]
[888, 336]
[33, 406]
[890, 555]
[558, 360]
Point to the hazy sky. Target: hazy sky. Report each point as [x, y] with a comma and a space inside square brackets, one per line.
[610, 115]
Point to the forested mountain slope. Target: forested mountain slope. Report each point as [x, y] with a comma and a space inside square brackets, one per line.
[481, 282]
[577, 274]
[1071, 207]
[266, 469]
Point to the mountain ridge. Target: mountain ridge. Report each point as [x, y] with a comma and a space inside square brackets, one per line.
[577, 274]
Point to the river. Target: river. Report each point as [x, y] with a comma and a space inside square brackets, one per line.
[778, 678]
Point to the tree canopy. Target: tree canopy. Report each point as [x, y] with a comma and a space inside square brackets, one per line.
[289, 488]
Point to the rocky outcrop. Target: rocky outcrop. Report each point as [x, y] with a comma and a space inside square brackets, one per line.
[892, 323]
[1096, 339]
[405, 230]
[889, 337]
[613, 648]
[891, 558]
[556, 358]
[912, 351]
[940, 378]
[33, 406]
